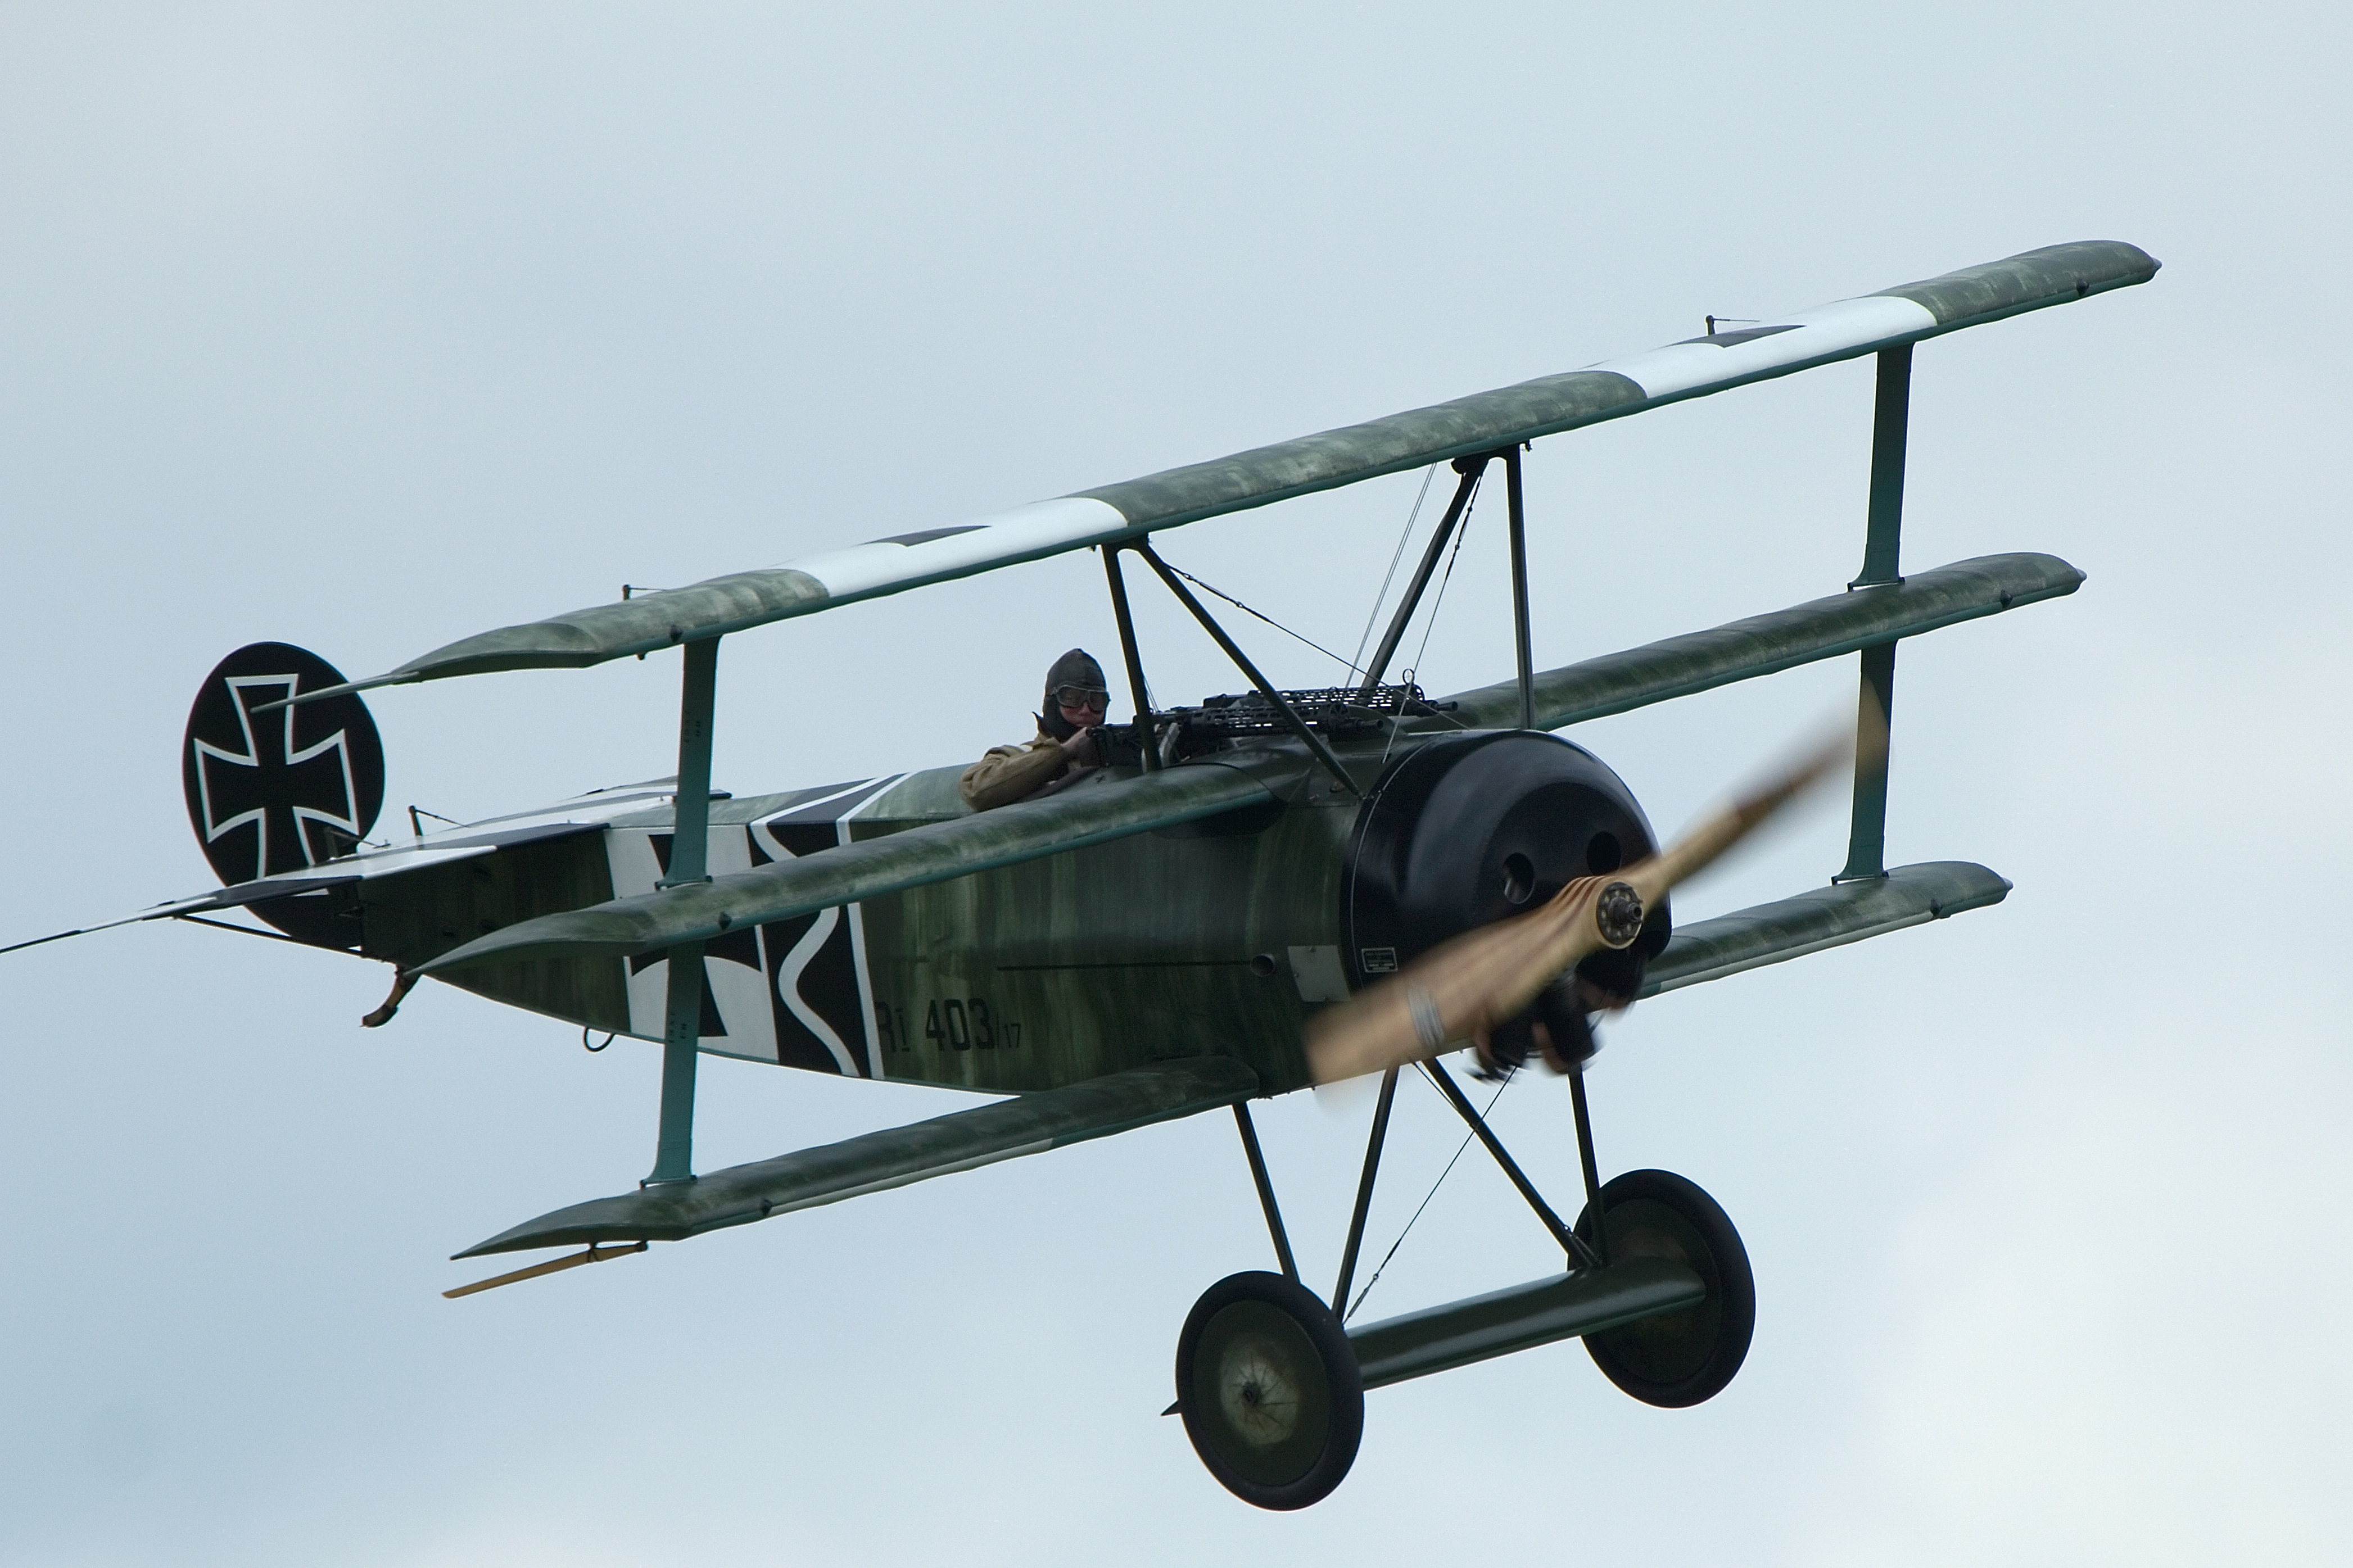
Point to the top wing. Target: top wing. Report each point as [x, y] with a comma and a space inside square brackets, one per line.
[1484, 422]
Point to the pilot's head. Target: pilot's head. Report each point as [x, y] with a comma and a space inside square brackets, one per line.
[1076, 697]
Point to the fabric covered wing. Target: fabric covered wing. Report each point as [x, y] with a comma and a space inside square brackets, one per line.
[871, 868]
[1762, 645]
[961, 1141]
[1484, 422]
[1821, 918]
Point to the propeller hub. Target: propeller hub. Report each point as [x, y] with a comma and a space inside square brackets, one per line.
[1617, 913]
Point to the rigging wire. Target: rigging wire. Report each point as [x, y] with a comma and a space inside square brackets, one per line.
[1508, 1074]
[1269, 620]
[1462, 532]
[1398, 554]
[1413, 671]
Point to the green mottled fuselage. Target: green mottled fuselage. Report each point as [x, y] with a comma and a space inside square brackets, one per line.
[1213, 938]
[1176, 944]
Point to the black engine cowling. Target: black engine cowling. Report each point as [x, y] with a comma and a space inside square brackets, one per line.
[1474, 827]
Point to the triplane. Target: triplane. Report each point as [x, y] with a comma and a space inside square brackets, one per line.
[1259, 893]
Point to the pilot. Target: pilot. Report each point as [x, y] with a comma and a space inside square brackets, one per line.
[1064, 751]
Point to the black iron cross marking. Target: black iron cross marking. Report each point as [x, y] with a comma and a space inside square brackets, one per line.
[273, 787]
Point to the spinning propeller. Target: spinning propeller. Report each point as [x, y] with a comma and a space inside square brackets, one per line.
[1462, 990]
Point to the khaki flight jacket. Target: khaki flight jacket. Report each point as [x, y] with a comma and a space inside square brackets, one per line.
[1008, 773]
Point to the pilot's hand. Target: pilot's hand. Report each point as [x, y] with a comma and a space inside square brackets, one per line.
[1080, 748]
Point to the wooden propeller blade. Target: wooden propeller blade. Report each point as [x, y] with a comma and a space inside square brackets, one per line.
[1459, 991]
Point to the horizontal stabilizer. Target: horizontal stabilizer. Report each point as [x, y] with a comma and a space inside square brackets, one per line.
[870, 868]
[1484, 422]
[341, 872]
[1521, 1318]
[1821, 918]
[1761, 645]
[961, 1141]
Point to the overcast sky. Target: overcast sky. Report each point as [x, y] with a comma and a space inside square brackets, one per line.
[370, 327]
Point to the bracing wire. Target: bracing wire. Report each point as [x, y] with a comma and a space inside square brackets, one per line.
[1269, 620]
[1392, 1252]
[1413, 671]
[1397, 555]
[1461, 531]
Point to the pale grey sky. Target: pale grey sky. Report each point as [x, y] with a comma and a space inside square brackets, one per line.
[368, 327]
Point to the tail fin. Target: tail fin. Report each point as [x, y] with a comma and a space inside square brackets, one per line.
[272, 793]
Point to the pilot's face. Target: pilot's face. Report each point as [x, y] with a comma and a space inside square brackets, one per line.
[1082, 709]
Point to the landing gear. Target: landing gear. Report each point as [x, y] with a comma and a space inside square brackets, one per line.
[1267, 1382]
[1272, 1385]
[1683, 1357]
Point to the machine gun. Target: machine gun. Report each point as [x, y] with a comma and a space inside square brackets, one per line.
[1338, 712]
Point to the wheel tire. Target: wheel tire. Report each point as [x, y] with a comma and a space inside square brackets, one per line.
[1677, 1358]
[1267, 1382]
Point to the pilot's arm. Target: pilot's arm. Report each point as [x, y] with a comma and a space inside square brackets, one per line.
[1008, 773]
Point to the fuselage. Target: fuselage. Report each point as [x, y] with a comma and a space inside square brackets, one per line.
[1213, 938]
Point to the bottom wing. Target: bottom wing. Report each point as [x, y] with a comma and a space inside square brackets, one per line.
[961, 1141]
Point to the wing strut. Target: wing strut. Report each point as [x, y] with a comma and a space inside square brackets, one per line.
[688, 862]
[1464, 488]
[1520, 589]
[1139, 694]
[1298, 726]
[1866, 854]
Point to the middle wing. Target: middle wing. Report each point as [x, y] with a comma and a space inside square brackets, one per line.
[871, 868]
[1768, 644]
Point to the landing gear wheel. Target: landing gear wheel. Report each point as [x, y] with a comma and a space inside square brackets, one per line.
[1678, 1358]
[1267, 1382]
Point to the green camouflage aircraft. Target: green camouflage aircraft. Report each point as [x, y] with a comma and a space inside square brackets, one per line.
[1388, 874]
